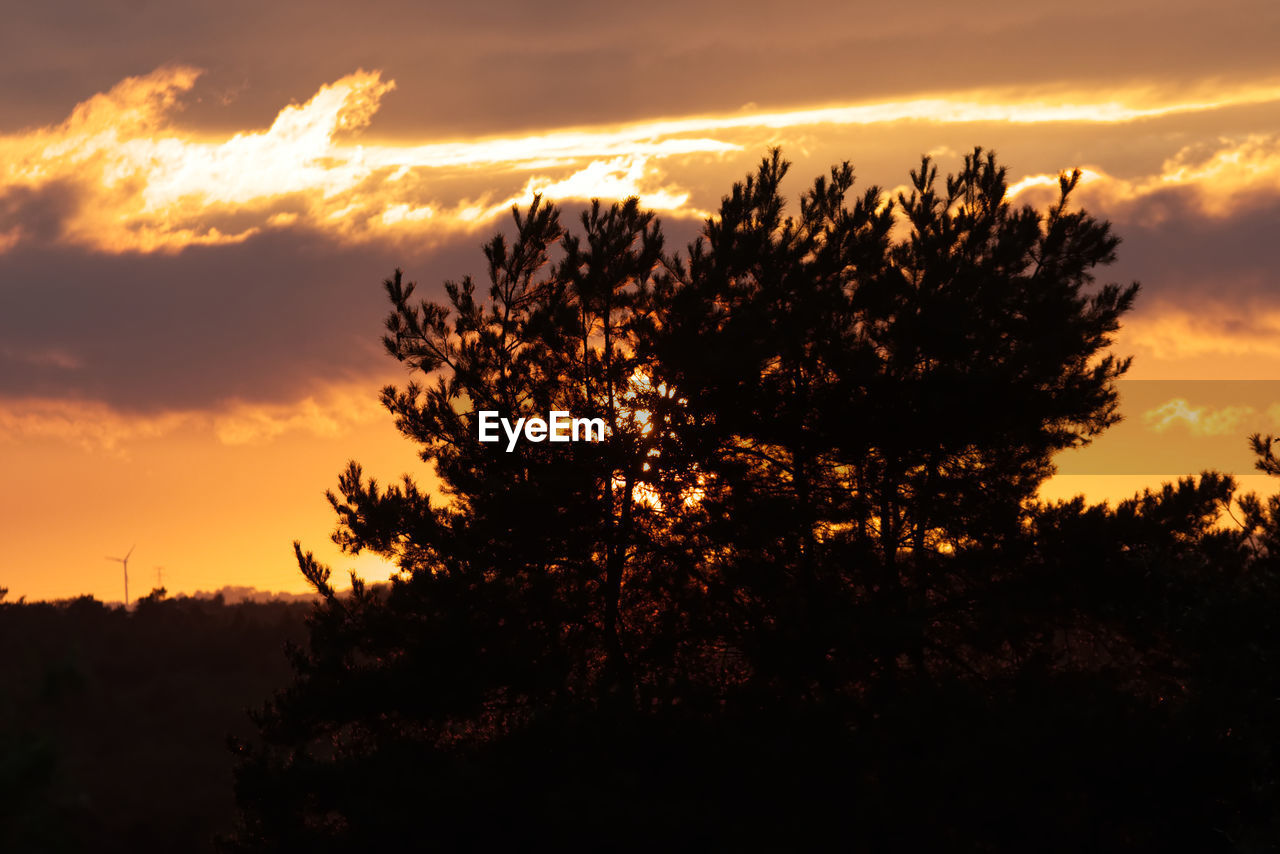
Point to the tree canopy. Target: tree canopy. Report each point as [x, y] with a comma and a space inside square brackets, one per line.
[802, 589]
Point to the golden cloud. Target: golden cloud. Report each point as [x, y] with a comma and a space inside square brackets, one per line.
[92, 425]
[1219, 176]
[1200, 420]
[118, 175]
[329, 416]
[143, 185]
[1171, 332]
[98, 427]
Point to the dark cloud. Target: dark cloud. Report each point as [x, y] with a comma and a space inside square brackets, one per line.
[468, 67]
[37, 215]
[272, 319]
[1185, 256]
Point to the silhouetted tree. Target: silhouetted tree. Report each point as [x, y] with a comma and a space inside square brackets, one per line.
[1174, 614]
[870, 400]
[512, 600]
[802, 591]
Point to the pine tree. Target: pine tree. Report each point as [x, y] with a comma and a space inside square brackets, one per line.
[881, 386]
[824, 433]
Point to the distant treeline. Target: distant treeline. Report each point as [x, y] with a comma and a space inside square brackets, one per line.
[114, 723]
[232, 593]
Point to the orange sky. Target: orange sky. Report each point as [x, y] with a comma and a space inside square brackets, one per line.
[197, 210]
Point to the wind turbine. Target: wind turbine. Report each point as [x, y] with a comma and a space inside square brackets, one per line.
[125, 560]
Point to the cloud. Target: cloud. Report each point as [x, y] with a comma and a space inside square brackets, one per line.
[119, 175]
[273, 318]
[1206, 330]
[566, 62]
[139, 184]
[31, 213]
[158, 267]
[92, 425]
[98, 427]
[40, 357]
[331, 415]
[1220, 176]
[1200, 420]
[1198, 233]
[278, 317]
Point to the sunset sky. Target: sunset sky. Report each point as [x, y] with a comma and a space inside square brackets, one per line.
[199, 202]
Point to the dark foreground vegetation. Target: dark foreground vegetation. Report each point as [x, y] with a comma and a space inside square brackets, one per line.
[803, 597]
[114, 724]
